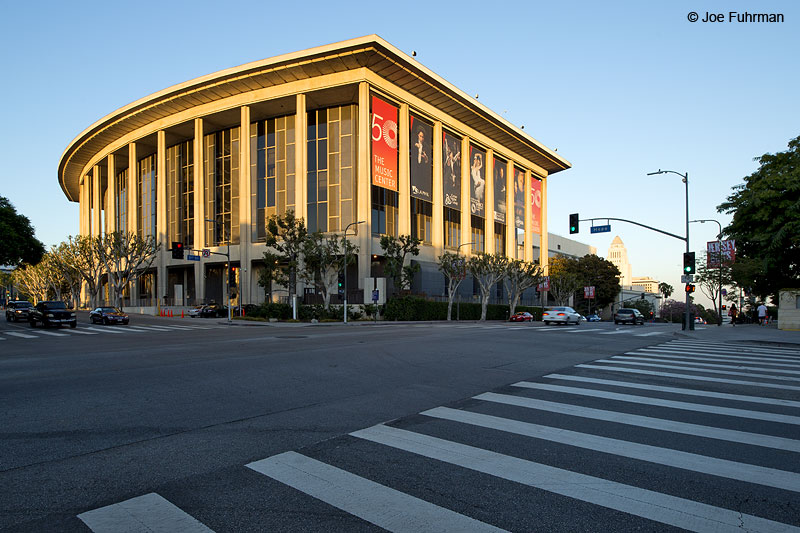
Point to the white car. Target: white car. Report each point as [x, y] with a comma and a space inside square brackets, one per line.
[563, 315]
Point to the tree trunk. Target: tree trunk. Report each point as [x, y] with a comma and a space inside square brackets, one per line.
[484, 304]
[513, 304]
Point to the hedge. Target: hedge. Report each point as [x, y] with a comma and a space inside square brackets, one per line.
[414, 308]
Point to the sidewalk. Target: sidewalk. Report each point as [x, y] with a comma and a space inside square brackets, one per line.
[743, 333]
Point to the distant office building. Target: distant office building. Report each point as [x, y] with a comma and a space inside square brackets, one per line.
[618, 255]
[564, 246]
[647, 284]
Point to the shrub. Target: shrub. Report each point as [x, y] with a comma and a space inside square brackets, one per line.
[411, 308]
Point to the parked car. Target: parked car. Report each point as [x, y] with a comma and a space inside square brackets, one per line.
[108, 315]
[52, 314]
[563, 315]
[195, 311]
[625, 315]
[18, 310]
[699, 320]
[522, 316]
[593, 318]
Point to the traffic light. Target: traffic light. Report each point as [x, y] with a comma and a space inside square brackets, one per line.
[573, 223]
[688, 263]
[689, 288]
[643, 296]
[341, 283]
[177, 250]
[232, 277]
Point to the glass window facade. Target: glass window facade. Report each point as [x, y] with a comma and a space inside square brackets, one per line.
[384, 211]
[452, 228]
[121, 198]
[500, 238]
[146, 189]
[221, 168]
[180, 192]
[422, 220]
[331, 177]
[478, 234]
[272, 171]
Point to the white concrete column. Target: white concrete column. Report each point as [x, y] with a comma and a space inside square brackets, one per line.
[301, 158]
[528, 218]
[437, 237]
[364, 212]
[466, 212]
[111, 205]
[199, 210]
[488, 211]
[543, 238]
[403, 178]
[133, 189]
[97, 201]
[511, 230]
[161, 233]
[245, 208]
[83, 206]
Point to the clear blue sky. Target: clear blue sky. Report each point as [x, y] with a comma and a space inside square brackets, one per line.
[619, 88]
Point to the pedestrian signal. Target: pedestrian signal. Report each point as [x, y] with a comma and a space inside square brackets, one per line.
[689, 288]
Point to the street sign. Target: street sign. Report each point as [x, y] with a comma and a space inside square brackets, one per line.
[193, 257]
[687, 278]
[206, 252]
[600, 229]
[375, 294]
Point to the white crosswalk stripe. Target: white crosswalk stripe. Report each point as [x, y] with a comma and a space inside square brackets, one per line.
[553, 410]
[20, 335]
[100, 330]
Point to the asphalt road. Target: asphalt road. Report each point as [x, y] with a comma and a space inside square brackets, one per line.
[394, 426]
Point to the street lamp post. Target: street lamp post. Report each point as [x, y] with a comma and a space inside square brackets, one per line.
[458, 296]
[685, 179]
[227, 273]
[345, 264]
[719, 258]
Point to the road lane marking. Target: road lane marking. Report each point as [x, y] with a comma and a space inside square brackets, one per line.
[650, 334]
[663, 508]
[617, 332]
[700, 367]
[724, 355]
[81, 332]
[148, 513]
[690, 377]
[582, 330]
[21, 335]
[736, 348]
[677, 390]
[52, 333]
[106, 330]
[760, 475]
[383, 506]
[659, 402]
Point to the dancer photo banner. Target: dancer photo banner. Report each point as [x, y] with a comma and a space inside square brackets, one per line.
[536, 206]
[420, 160]
[477, 174]
[500, 191]
[384, 144]
[519, 199]
[451, 170]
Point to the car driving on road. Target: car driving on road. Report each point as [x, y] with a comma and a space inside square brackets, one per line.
[18, 310]
[522, 316]
[561, 315]
[625, 315]
[52, 314]
[108, 315]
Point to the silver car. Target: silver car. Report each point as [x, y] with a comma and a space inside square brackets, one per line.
[563, 315]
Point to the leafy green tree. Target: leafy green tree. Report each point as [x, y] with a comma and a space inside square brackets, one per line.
[488, 270]
[18, 243]
[87, 261]
[125, 256]
[287, 235]
[711, 280]
[600, 273]
[271, 272]
[564, 278]
[324, 259]
[64, 257]
[453, 266]
[31, 280]
[666, 289]
[396, 250]
[520, 276]
[766, 220]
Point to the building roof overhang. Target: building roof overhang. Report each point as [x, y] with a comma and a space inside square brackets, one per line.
[371, 52]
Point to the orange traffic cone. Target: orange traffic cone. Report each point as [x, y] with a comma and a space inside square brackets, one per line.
[170, 313]
[181, 313]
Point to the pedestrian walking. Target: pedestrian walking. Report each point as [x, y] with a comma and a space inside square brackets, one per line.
[733, 312]
[762, 314]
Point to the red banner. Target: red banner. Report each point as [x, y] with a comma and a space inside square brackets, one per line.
[536, 205]
[588, 292]
[384, 144]
[727, 252]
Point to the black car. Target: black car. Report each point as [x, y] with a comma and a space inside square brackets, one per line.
[18, 310]
[108, 315]
[52, 314]
[625, 315]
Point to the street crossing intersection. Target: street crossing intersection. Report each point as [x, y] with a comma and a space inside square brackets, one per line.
[81, 330]
[696, 435]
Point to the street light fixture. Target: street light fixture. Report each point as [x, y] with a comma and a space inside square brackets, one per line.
[345, 264]
[458, 296]
[685, 179]
[228, 271]
[719, 258]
